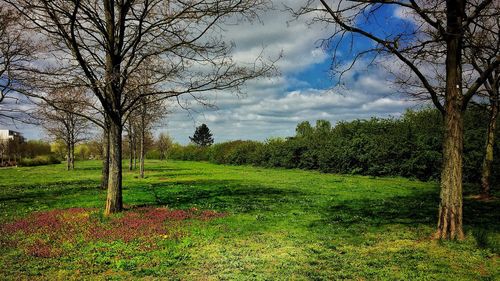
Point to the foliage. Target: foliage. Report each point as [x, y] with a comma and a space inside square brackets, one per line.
[300, 224]
[234, 152]
[33, 148]
[409, 146]
[189, 152]
[39, 161]
[82, 151]
[58, 148]
[202, 136]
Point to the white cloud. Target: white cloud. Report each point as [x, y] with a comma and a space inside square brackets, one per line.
[273, 106]
[277, 111]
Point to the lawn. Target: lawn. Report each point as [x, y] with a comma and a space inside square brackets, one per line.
[199, 221]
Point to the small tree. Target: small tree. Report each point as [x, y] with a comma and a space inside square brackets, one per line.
[62, 123]
[163, 144]
[202, 136]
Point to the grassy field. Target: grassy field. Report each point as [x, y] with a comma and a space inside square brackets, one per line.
[198, 221]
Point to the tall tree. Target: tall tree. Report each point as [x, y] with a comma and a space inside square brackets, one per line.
[410, 44]
[103, 43]
[202, 136]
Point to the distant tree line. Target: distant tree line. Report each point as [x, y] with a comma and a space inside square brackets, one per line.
[409, 146]
[17, 151]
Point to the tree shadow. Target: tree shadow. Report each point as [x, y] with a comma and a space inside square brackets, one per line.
[418, 208]
[230, 195]
[165, 169]
[93, 168]
[481, 219]
[46, 191]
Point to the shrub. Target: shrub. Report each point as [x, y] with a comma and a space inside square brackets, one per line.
[39, 161]
[409, 146]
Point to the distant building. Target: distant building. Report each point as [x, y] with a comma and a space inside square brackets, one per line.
[6, 135]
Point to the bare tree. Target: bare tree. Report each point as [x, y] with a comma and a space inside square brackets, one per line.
[15, 52]
[139, 125]
[103, 43]
[62, 123]
[482, 45]
[410, 44]
[163, 144]
[131, 130]
[149, 115]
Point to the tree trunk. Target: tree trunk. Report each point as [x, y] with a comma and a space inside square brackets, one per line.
[488, 155]
[450, 208]
[72, 155]
[143, 136]
[105, 160]
[142, 154]
[68, 156]
[131, 153]
[135, 155]
[114, 199]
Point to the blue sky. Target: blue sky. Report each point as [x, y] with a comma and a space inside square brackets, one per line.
[303, 91]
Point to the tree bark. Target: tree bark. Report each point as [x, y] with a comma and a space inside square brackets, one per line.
[105, 160]
[141, 156]
[450, 208]
[114, 202]
[488, 155]
[72, 163]
[143, 136]
[68, 156]
[130, 147]
[135, 155]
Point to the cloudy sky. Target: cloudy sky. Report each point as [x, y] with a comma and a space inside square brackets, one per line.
[303, 90]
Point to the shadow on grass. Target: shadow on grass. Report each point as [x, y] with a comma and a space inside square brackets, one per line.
[228, 195]
[48, 191]
[166, 169]
[419, 208]
[355, 216]
[91, 168]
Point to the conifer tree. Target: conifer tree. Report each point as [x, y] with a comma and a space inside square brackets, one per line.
[202, 136]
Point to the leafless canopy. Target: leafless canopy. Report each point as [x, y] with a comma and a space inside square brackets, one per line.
[15, 53]
[102, 44]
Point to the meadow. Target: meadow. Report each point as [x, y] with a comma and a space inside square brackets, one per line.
[201, 221]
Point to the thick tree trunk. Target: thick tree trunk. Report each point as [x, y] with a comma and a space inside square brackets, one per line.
[105, 160]
[488, 155]
[114, 199]
[450, 208]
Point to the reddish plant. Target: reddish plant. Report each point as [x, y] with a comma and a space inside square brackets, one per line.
[78, 224]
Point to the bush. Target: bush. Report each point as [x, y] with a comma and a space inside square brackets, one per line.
[189, 153]
[409, 146]
[39, 161]
[235, 152]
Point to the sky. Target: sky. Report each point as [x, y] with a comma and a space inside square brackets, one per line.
[303, 90]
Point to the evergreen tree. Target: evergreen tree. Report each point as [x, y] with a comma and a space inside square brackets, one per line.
[202, 136]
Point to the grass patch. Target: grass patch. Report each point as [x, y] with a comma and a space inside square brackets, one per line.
[198, 221]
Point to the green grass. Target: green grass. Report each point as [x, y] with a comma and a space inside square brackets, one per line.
[279, 225]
